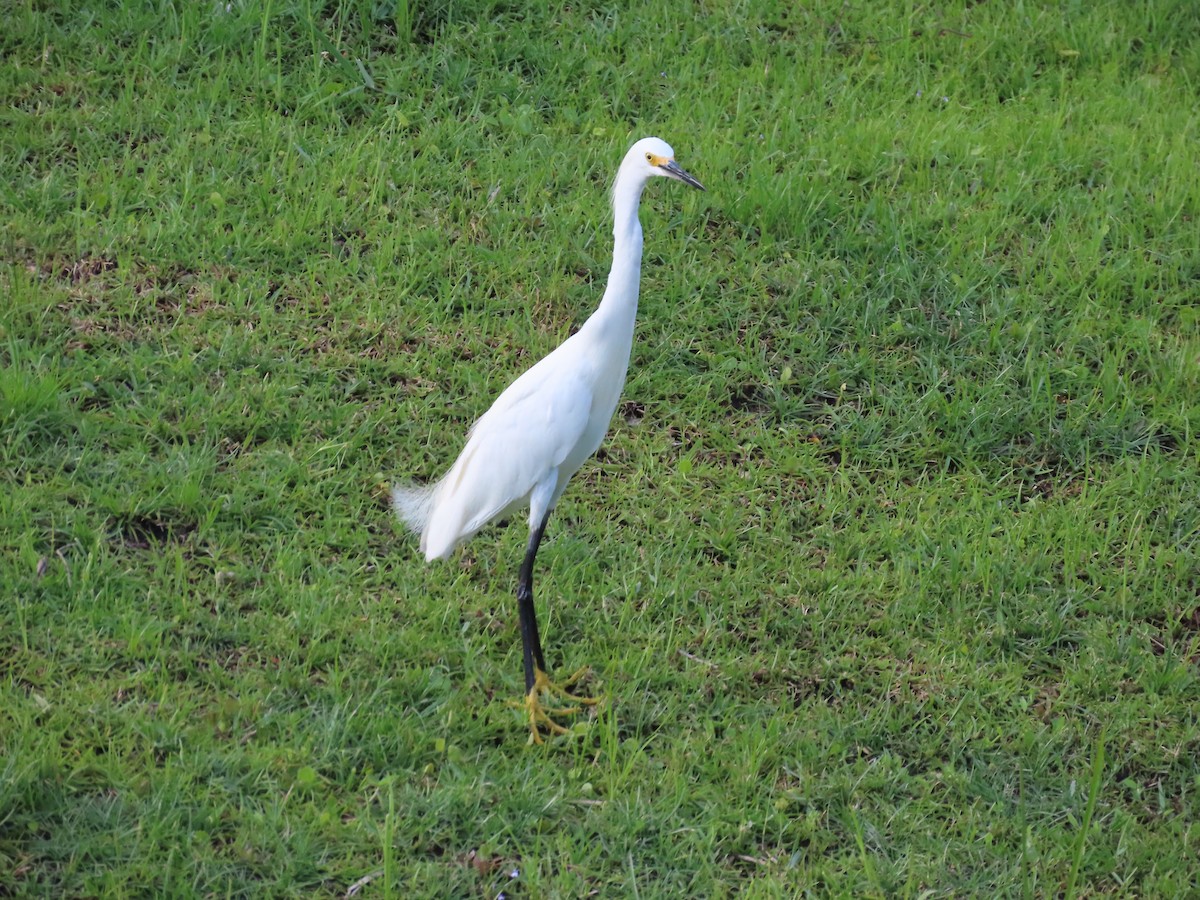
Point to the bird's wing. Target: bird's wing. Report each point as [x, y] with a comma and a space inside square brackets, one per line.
[517, 445]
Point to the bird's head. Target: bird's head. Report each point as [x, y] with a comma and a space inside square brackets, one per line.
[651, 156]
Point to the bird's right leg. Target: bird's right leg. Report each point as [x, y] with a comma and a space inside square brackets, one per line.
[537, 681]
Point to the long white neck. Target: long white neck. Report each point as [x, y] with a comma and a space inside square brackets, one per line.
[618, 308]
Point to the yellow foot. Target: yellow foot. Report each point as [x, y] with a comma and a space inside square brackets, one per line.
[541, 715]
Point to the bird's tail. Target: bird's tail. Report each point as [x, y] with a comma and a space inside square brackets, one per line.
[413, 504]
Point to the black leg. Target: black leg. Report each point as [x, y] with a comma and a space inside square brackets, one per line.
[531, 644]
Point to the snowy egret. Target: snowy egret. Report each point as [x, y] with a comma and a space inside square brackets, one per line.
[525, 448]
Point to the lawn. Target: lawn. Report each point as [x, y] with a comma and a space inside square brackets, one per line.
[887, 572]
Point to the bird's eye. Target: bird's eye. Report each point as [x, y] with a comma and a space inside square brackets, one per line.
[650, 157]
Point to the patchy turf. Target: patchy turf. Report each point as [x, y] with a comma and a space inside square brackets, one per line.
[887, 571]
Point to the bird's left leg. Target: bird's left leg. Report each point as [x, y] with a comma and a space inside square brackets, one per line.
[537, 682]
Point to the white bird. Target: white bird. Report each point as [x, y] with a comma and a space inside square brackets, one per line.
[525, 448]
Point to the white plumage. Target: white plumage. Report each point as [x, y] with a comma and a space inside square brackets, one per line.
[525, 448]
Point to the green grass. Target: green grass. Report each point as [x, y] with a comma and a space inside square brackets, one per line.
[887, 571]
